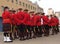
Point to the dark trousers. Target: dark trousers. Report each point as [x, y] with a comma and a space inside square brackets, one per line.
[34, 31]
[14, 30]
[54, 30]
[46, 30]
[57, 26]
[21, 28]
[29, 33]
[40, 30]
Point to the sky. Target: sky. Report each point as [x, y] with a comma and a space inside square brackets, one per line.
[45, 4]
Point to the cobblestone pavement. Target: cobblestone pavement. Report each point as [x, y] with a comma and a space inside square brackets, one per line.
[55, 39]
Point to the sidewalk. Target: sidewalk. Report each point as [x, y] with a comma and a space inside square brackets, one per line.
[52, 39]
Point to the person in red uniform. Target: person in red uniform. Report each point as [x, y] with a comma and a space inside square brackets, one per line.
[20, 23]
[6, 24]
[38, 24]
[11, 26]
[35, 23]
[31, 23]
[27, 24]
[32, 16]
[13, 16]
[52, 23]
[57, 23]
[45, 23]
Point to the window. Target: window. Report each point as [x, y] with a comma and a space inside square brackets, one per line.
[29, 6]
[33, 8]
[16, 1]
[26, 5]
[20, 3]
[23, 4]
[12, 1]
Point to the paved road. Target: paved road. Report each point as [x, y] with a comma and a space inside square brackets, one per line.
[55, 39]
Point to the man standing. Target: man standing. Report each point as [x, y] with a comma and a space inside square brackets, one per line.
[6, 24]
[32, 24]
[57, 24]
[20, 23]
[27, 24]
[45, 23]
[38, 24]
[13, 16]
[52, 23]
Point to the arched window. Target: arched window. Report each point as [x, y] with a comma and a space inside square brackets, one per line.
[26, 5]
[23, 4]
[20, 3]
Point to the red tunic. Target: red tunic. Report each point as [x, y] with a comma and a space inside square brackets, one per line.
[6, 17]
[52, 21]
[13, 19]
[32, 21]
[26, 19]
[45, 20]
[57, 21]
[37, 20]
[19, 18]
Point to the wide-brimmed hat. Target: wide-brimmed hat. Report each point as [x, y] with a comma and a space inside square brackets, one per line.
[6, 7]
[25, 9]
[20, 9]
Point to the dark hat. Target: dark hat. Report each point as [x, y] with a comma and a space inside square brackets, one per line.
[51, 15]
[42, 13]
[6, 7]
[10, 10]
[32, 11]
[47, 15]
[20, 9]
[38, 13]
[13, 11]
[26, 10]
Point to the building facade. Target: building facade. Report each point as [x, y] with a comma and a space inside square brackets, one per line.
[15, 4]
[50, 11]
[39, 9]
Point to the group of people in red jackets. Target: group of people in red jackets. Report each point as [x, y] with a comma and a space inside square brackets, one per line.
[25, 25]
